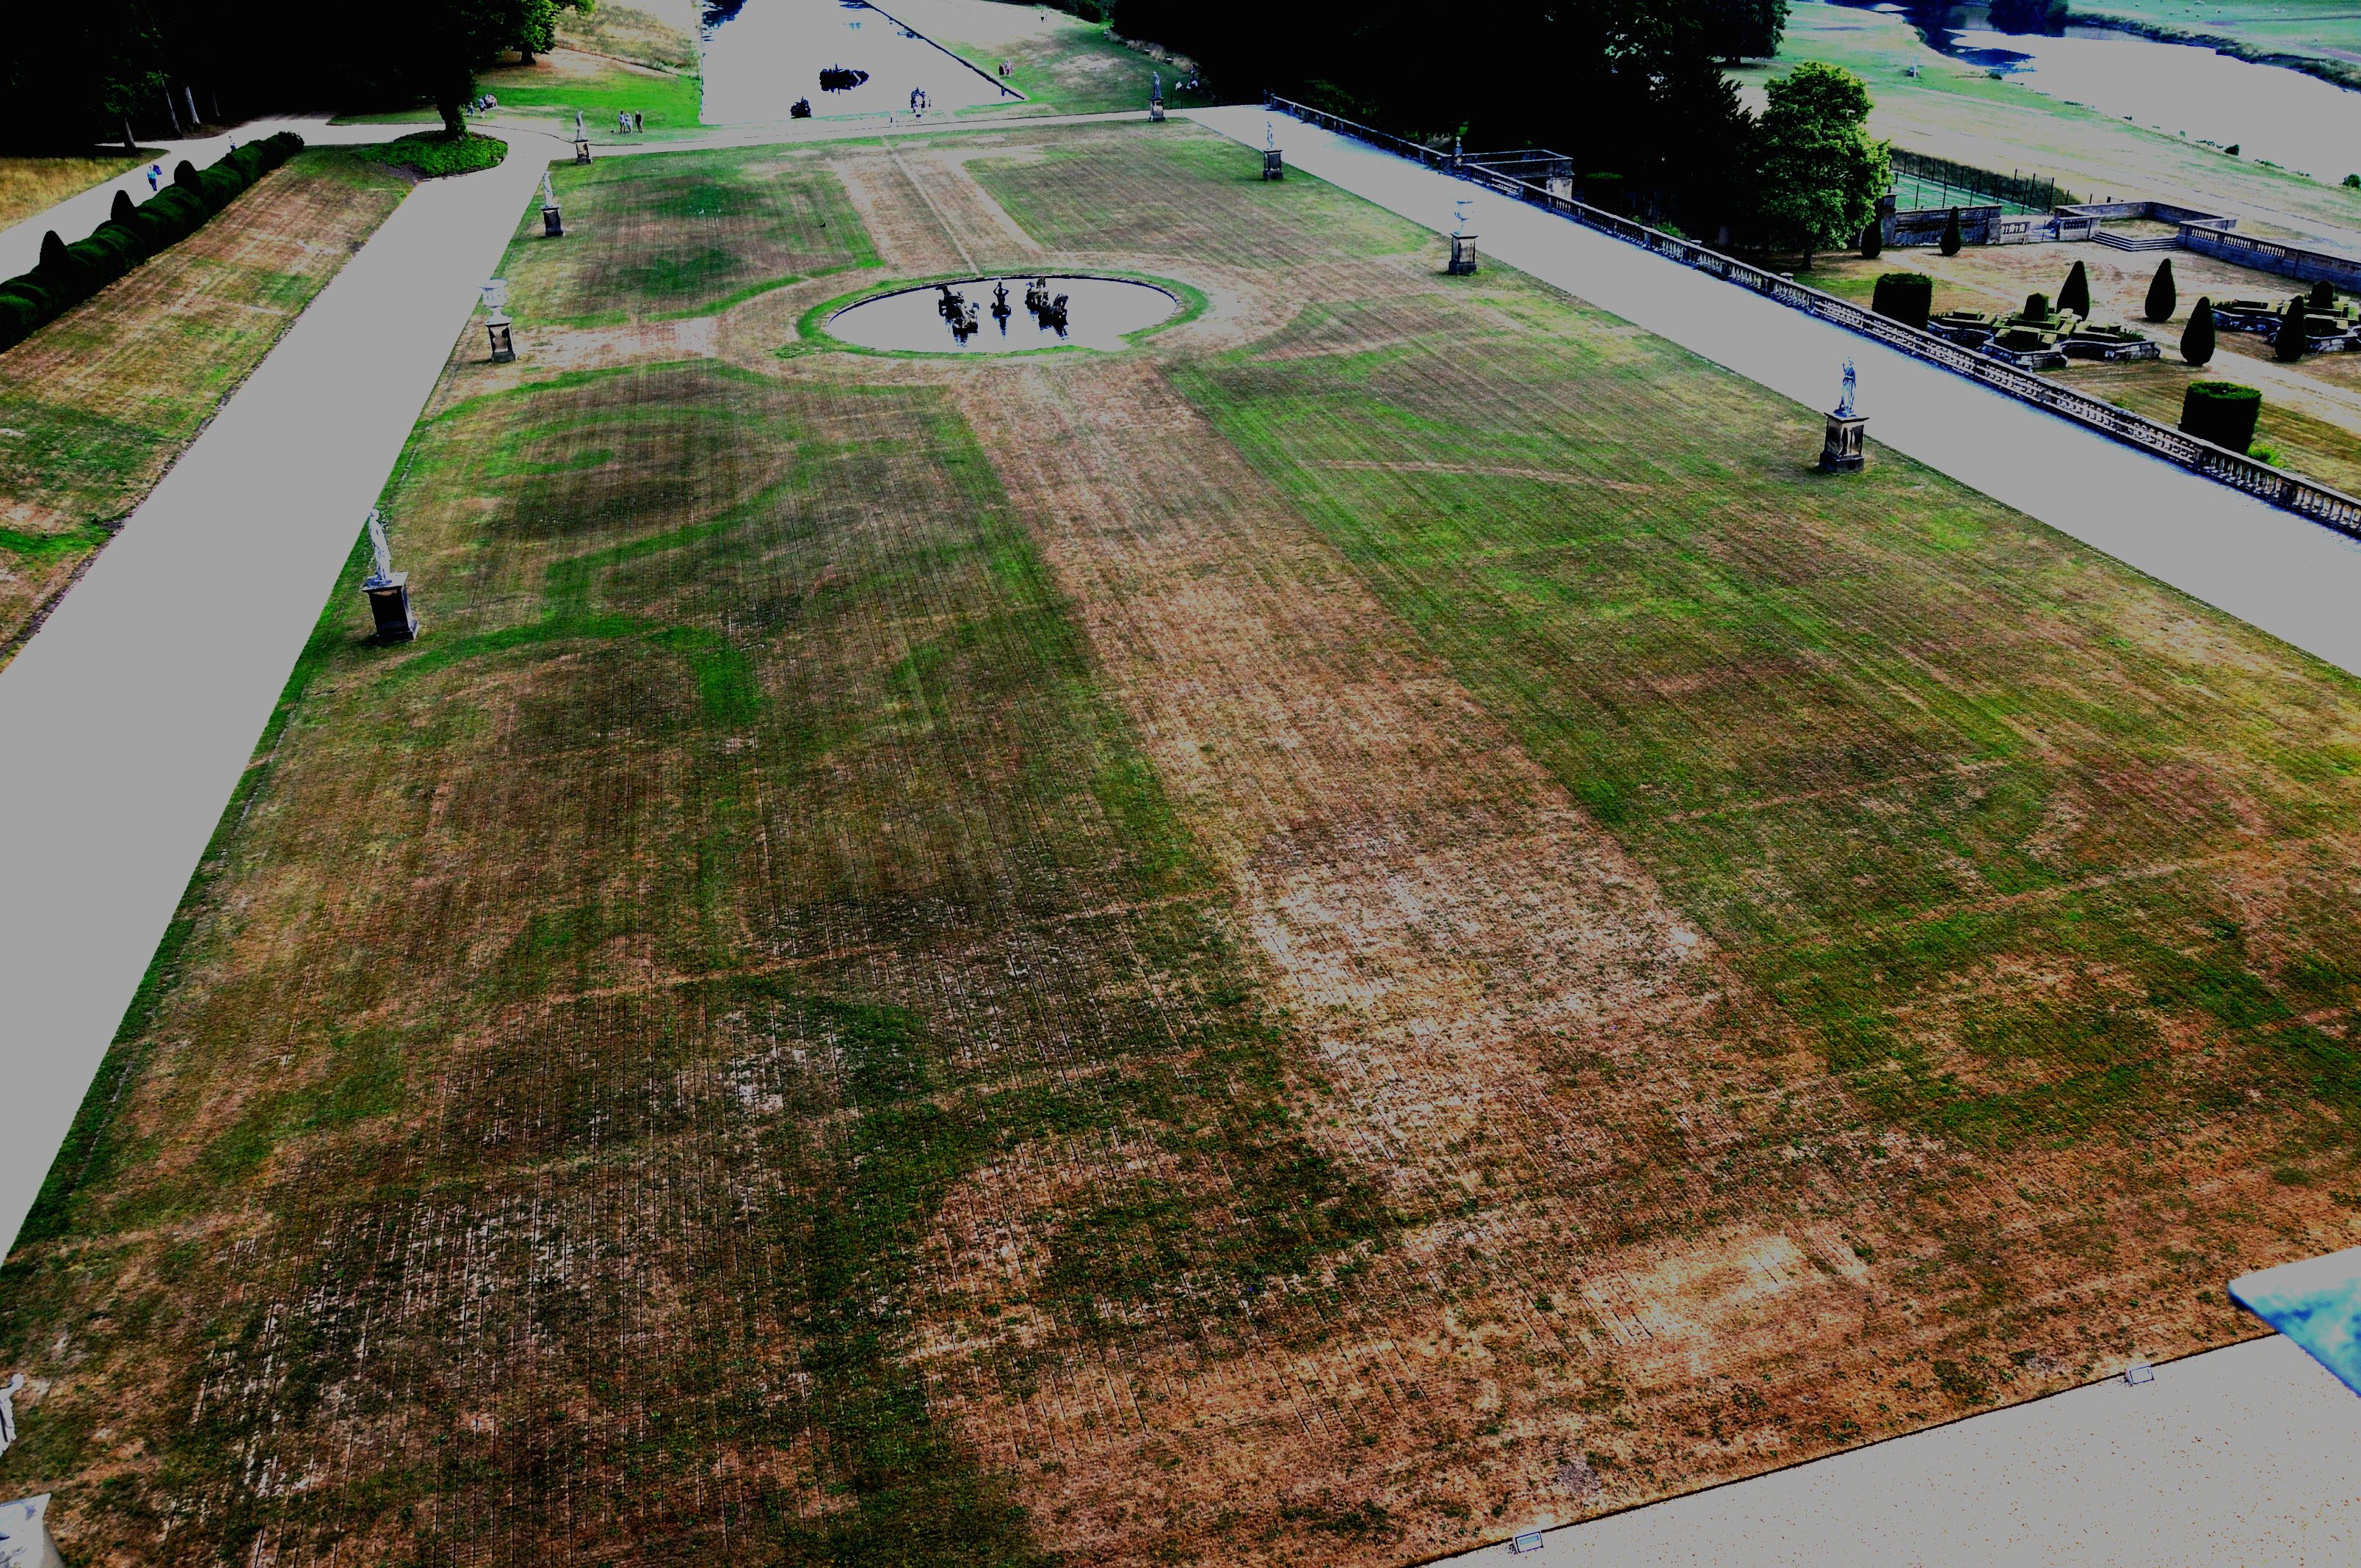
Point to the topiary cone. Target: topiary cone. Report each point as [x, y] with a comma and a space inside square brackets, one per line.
[2197, 342]
[2161, 296]
[53, 253]
[2288, 346]
[2323, 296]
[1952, 238]
[123, 209]
[1873, 239]
[2074, 299]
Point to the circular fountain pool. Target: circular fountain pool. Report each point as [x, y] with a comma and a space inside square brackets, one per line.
[1098, 313]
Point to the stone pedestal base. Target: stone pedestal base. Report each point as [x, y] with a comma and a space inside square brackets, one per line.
[1273, 168]
[1842, 453]
[552, 225]
[1155, 112]
[1463, 254]
[503, 339]
[24, 1540]
[581, 152]
[389, 606]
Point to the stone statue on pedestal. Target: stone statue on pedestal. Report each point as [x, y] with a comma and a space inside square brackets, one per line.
[9, 1410]
[384, 573]
[1841, 451]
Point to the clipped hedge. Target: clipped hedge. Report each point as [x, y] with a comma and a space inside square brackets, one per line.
[69, 274]
[431, 155]
[2222, 412]
[1905, 297]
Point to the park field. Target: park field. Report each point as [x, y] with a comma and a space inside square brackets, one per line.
[1377, 921]
[97, 404]
[2324, 34]
[33, 185]
[1953, 109]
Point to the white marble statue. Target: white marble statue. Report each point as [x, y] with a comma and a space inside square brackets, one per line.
[8, 1411]
[1459, 217]
[548, 190]
[1156, 86]
[1269, 137]
[384, 573]
[1844, 403]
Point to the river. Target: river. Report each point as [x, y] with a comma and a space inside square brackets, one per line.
[2267, 110]
[762, 55]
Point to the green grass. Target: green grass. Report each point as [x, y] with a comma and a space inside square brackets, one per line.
[771, 1029]
[552, 92]
[675, 235]
[1881, 786]
[96, 404]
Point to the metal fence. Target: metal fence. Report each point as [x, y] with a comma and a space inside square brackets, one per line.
[1940, 183]
[2331, 508]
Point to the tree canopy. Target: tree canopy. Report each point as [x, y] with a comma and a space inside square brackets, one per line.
[1820, 173]
[80, 74]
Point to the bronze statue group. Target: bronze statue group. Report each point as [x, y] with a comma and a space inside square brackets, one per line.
[965, 318]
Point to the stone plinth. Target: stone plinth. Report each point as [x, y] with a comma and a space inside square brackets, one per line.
[1463, 254]
[1155, 111]
[552, 225]
[1273, 165]
[1841, 452]
[25, 1535]
[389, 606]
[582, 151]
[501, 333]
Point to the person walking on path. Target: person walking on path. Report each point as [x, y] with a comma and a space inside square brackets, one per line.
[155, 172]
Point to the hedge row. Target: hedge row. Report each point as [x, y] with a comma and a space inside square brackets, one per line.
[69, 274]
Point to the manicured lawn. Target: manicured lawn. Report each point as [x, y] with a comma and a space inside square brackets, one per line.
[1064, 65]
[683, 233]
[563, 82]
[30, 185]
[1380, 922]
[96, 405]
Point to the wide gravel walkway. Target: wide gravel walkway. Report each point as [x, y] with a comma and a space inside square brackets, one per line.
[125, 723]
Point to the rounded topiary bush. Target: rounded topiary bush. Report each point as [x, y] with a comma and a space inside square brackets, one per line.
[185, 175]
[1905, 297]
[2037, 307]
[2288, 342]
[98, 264]
[118, 241]
[219, 186]
[2221, 413]
[19, 318]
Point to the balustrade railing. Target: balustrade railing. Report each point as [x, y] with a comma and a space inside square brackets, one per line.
[2307, 498]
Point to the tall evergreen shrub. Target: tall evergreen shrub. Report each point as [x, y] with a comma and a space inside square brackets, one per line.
[2074, 299]
[2197, 341]
[2161, 295]
[2288, 346]
[1952, 238]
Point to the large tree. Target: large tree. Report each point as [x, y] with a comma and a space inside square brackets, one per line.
[1819, 174]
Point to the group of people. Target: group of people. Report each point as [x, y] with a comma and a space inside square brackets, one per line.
[627, 121]
[919, 102]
